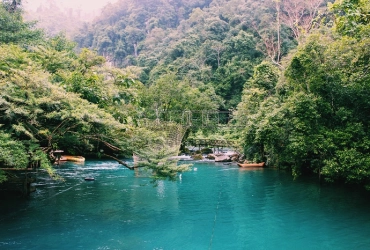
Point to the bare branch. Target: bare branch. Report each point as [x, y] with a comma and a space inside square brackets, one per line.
[299, 15]
[120, 162]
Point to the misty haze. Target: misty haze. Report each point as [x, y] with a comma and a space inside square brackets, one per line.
[66, 16]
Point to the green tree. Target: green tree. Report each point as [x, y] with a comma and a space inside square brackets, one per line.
[352, 18]
[257, 101]
[40, 115]
[316, 118]
[155, 143]
[12, 5]
[214, 45]
[169, 93]
[14, 29]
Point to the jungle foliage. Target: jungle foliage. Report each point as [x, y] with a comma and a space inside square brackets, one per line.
[295, 71]
[216, 43]
[54, 98]
[313, 116]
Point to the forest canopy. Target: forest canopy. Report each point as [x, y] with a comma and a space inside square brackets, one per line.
[313, 115]
[294, 72]
[55, 98]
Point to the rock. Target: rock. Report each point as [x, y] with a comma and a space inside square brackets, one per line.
[222, 158]
[235, 157]
[211, 156]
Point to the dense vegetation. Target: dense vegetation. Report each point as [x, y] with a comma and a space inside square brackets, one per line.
[313, 115]
[216, 43]
[53, 98]
[295, 72]
[198, 43]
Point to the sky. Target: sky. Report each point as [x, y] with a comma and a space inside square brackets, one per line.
[85, 5]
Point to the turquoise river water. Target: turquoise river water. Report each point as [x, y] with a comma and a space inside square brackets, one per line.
[214, 206]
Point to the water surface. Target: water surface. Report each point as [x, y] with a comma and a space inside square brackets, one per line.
[214, 206]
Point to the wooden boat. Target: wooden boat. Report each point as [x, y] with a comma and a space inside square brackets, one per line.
[89, 179]
[72, 158]
[247, 165]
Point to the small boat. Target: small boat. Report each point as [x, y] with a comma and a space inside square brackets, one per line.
[247, 165]
[89, 179]
[72, 158]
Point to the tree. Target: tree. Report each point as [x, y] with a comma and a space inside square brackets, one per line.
[169, 93]
[12, 5]
[43, 117]
[257, 99]
[12, 153]
[267, 25]
[13, 28]
[134, 36]
[154, 144]
[352, 18]
[316, 118]
[299, 15]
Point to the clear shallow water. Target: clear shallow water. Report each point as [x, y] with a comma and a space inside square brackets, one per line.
[214, 207]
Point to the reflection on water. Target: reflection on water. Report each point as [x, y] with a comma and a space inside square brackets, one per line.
[216, 207]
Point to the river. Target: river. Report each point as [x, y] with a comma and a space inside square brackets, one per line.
[214, 206]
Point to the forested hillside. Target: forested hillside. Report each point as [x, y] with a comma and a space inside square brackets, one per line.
[294, 72]
[216, 43]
